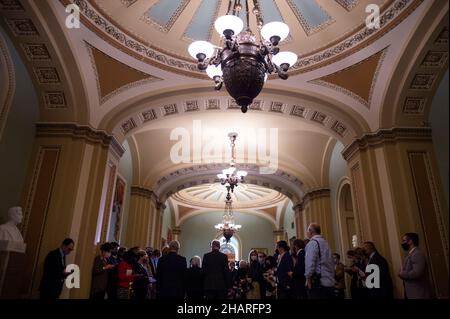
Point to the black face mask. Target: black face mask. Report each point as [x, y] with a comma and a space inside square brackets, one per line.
[405, 246]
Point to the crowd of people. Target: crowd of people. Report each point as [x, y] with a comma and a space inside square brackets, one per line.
[308, 270]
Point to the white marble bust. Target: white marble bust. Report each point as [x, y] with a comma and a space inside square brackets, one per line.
[9, 230]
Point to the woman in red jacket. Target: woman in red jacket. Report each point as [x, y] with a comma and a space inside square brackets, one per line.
[126, 275]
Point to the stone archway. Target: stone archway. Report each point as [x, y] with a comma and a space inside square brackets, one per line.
[346, 218]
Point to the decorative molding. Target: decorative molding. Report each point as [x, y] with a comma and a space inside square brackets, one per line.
[443, 37]
[298, 111]
[350, 93]
[423, 81]
[141, 191]
[393, 15]
[10, 5]
[206, 173]
[149, 115]
[339, 128]
[128, 3]
[314, 194]
[435, 59]
[191, 106]
[102, 99]
[169, 109]
[304, 23]
[22, 27]
[36, 51]
[165, 28]
[383, 136]
[278, 107]
[55, 100]
[352, 43]
[83, 132]
[9, 80]
[213, 104]
[320, 118]
[47, 75]
[128, 125]
[414, 105]
[348, 4]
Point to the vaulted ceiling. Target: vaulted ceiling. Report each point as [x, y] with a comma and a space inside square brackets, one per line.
[126, 70]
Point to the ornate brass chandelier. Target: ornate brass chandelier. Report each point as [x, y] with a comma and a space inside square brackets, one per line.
[243, 63]
[228, 226]
[229, 176]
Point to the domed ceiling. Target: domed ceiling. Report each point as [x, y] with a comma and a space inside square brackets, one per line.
[163, 29]
[244, 196]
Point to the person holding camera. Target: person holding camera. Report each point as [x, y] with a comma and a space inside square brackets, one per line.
[319, 265]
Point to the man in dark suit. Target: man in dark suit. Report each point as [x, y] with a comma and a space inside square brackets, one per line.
[386, 290]
[298, 276]
[216, 272]
[284, 270]
[54, 270]
[171, 274]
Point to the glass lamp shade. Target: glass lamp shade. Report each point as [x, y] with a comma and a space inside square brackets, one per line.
[201, 47]
[214, 71]
[275, 29]
[285, 57]
[241, 173]
[229, 22]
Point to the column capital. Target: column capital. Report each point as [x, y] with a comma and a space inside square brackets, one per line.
[176, 230]
[141, 191]
[383, 136]
[278, 232]
[315, 194]
[83, 132]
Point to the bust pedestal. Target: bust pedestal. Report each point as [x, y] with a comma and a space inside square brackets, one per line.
[12, 265]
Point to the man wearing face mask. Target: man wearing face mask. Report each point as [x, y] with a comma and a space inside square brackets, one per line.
[100, 269]
[414, 272]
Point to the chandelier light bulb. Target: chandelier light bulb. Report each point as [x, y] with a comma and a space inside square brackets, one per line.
[227, 23]
[275, 32]
[285, 57]
[201, 50]
[214, 71]
[241, 173]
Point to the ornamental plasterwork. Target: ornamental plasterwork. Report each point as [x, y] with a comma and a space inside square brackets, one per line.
[137, 47]
[104, 99]
[351, 93]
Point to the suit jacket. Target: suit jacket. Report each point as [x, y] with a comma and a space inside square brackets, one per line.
[53, 276]
[215, 269]
[386, 288]
[99, 275]
[285, 266]
[194, 283]
[170, 274]
[415, 276]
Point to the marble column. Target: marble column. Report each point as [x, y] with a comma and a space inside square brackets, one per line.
[63, 197]
[396, 189]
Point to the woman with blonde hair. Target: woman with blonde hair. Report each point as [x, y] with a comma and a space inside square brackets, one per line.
[194, 279]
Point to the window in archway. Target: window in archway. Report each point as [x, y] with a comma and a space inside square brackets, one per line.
[230, 249]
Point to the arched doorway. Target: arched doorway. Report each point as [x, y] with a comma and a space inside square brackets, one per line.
[347, 224]
[231, 249]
